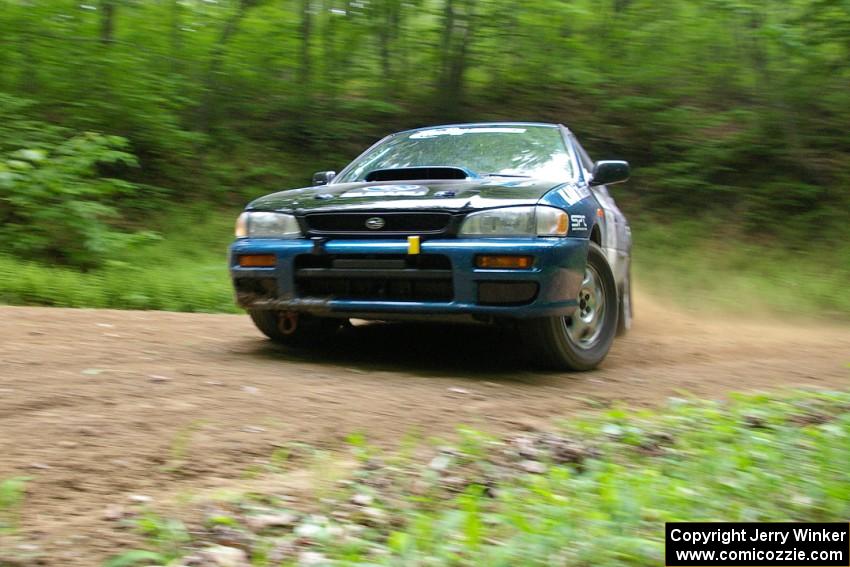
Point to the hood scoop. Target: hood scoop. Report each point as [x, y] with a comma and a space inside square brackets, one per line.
[417, 173]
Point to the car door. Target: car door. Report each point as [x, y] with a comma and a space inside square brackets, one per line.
[615, 231]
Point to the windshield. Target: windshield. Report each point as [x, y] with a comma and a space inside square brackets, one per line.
[510, 151]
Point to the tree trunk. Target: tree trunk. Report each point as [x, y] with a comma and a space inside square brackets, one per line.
[176, 39]
[328, 38]
[384, 44]
[457, 37]
[208, 111]
[446, 43]
[305, 67]
[107, 21]
[621, 5]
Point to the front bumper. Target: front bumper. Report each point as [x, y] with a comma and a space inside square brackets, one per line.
[557, 272]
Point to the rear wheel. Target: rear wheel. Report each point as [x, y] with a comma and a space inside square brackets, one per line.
[291, 328]
[582, 340]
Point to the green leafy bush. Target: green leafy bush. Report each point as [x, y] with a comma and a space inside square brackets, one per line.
[57, 204]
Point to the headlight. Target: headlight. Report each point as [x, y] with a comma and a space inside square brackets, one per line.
[267, 225]
[517, 221]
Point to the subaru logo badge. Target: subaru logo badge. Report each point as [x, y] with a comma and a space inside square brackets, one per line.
[375, 223]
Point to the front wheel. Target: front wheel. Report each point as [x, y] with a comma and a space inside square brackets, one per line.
[295, 329]
[582, 340]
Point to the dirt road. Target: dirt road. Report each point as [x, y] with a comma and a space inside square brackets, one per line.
[95, 406]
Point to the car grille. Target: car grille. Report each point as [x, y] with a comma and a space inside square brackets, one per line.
[378, 277]
[390, 224]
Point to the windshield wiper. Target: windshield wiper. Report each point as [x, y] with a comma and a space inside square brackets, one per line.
[505, 175]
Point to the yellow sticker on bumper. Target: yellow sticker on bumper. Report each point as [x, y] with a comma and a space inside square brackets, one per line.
[413, 245]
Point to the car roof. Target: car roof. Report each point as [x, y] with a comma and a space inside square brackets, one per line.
[477, 124]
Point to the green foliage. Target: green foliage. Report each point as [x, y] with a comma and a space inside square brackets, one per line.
[185, 270]
[689, 262]
[12, 492]
[738, 118]
[754, 458]
[56, 206]
[165, 535]
[135, 557]
[18, 130]
[741, 110]
[56, 201]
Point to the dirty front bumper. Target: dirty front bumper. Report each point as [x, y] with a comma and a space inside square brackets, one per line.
[380, 279]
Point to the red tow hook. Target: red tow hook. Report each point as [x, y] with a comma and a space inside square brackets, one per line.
[287, 322]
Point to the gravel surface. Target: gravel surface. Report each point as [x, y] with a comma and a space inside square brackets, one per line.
[110, 411]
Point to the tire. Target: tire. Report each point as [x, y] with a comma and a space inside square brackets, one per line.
[626, 305]
[307, 329]
[566, 343]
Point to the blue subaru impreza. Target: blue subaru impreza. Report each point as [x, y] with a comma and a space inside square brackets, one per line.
[499, 223]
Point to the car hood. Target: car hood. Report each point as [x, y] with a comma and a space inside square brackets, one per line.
[468, 194]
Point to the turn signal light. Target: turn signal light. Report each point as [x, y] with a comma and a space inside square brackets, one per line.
[505, 262]
[257, 260]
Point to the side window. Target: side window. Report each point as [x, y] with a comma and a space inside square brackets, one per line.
[586, 162]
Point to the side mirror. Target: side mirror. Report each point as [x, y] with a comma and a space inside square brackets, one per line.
[323, 177]
[608, 172]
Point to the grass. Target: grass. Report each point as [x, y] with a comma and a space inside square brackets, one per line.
[12, 493]
[186, 270]
[166, 535]
[600, 494]
[691, 263]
